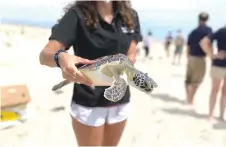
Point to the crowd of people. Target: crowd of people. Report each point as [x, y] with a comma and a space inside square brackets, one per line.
[178, 41]
[199, 45]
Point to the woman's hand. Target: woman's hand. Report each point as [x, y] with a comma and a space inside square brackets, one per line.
[220, 55]
[69, 70]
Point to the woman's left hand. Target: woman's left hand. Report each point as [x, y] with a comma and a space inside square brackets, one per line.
[220, 55]
[132, 51]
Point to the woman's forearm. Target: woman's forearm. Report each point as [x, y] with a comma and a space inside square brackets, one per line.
[46, 56]
[206, 46]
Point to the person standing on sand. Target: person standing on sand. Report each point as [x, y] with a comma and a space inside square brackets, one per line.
[168, 42]
[218, 69]
[196, 64]
[179, 44]
[147, 44]
[94, 29]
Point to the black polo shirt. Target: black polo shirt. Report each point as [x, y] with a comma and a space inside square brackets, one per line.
[220, 37]
[106, 39]
[194, 38]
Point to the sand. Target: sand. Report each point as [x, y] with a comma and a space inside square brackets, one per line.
[158, 120]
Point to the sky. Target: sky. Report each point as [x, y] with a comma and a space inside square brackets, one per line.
[179, 14]
[153, 14]
[174, 12]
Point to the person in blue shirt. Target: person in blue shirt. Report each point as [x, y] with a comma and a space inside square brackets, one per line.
[218, 69]
[196, 64]
[147, 43]
[168, 42]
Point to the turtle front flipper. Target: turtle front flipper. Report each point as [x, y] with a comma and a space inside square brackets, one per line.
[117, 90]
[138, 79]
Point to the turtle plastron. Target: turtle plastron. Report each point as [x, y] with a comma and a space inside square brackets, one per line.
[117, 90]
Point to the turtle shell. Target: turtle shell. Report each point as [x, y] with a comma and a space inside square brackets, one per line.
[103, 60]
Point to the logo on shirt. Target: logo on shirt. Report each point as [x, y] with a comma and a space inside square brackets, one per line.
[126, 30]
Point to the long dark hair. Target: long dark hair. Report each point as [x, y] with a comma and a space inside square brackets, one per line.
[90, 12]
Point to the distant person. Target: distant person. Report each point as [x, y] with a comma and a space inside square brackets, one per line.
[179, 44]
[196, 64]
[218, 69]
[168, 42]
[147, 44]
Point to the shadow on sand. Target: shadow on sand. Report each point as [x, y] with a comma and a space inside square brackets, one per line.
[177, 75]
[167, 98]
[190, 113]
[59, 92]
[6, 128]
[220, 126]
[58, 109]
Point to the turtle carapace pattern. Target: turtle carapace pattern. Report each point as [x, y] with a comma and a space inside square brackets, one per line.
[113, 67]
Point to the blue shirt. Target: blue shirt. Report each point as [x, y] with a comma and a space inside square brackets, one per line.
[220, 37]
[194, 38]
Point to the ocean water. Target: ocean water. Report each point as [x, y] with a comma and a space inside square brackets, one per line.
[160, 21]
[158, 32]
[29, 22]
[45, 17]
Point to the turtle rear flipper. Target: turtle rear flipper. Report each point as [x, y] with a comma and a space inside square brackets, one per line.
[60, 85]
[116, 91]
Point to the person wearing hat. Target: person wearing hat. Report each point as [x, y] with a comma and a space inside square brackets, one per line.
[218, 69]
[196, 64]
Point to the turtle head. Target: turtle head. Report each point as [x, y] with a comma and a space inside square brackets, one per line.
[143, 82]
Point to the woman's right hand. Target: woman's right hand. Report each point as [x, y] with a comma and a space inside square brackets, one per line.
[69, 70]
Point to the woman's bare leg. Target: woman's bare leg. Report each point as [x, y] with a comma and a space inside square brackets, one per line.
[87, 135]
[223, 101]
[113, 133]
[213, 96]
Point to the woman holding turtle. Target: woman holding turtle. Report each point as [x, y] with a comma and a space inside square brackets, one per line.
[94, 29]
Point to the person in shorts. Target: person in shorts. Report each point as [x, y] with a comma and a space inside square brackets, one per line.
[179, 44]
[168, 42]
[218, 69]
[147, 44]
[196, 64]
[94, 29]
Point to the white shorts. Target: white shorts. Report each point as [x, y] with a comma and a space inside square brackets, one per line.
[98, 116]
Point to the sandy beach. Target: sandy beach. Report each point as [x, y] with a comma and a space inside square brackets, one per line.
[159, 120]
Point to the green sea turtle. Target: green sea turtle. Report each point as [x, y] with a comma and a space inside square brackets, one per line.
[108, 71]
